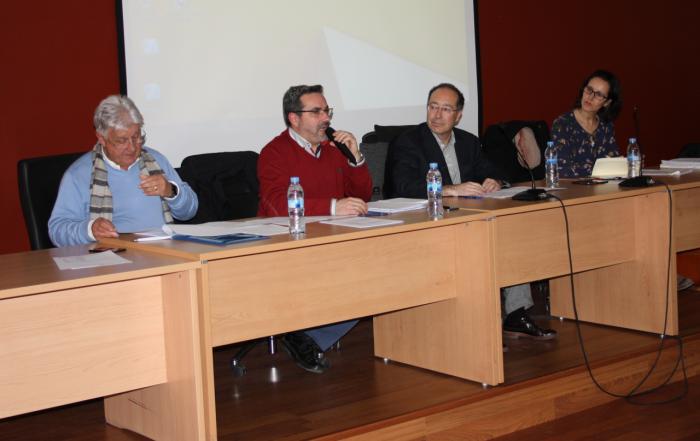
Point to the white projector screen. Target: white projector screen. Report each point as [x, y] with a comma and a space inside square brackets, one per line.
[209, 75]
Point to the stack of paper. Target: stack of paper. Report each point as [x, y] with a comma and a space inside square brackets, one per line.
[666, 171]
[362, 222]
[680, 163]
[397, 205]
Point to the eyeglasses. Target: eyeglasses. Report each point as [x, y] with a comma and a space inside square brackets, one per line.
[317, 111]
[447, 110]
[136, 140]
[588, 90]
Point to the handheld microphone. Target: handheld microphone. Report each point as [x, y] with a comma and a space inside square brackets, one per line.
[534, 193]
[342, 147]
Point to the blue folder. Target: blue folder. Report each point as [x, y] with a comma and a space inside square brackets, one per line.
[225, 239]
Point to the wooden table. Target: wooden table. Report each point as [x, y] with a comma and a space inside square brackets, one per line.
[438, 274]
[619, 244]
[433, 287]
[68, 336]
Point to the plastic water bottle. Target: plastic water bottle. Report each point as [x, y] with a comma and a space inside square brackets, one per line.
[634, 159]
[295, 205]
[551, 166]
[434, 183]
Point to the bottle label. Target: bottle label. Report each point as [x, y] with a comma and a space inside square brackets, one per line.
[551, 161]
[435, 187]
[295, 203]
[632, 157]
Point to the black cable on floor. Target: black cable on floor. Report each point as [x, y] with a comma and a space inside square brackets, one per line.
[680, 361]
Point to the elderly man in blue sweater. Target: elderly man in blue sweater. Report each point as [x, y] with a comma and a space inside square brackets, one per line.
[120, 186]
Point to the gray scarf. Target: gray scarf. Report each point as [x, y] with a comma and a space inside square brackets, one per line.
[101, 196]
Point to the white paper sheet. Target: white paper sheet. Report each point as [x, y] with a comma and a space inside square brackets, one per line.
[104, 258]
[397, 205]
[362, 222]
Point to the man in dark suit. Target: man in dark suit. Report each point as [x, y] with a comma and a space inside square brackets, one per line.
[465, 172]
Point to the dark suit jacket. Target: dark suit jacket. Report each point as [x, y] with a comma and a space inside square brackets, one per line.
[411, 153]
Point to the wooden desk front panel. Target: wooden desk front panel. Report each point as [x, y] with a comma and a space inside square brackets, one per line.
[532, 245]
[68, 346]
[631, 294]
[266, 294]
[687, 218]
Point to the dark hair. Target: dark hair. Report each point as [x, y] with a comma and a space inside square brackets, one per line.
[291, 101]
[452, 87]
[609, 112]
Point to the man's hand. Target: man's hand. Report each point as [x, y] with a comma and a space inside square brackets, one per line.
[349, 140]
[491, 185]
[464, 189]
[348, 206]
[156, 185]
[102, 228]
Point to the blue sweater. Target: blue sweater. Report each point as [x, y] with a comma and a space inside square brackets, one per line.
[132, 210]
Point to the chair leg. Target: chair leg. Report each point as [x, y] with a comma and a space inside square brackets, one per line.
[237, 365]
[271, 345]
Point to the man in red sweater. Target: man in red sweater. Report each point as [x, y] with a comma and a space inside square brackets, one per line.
[332, 185]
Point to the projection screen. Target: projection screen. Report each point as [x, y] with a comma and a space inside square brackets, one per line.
[209, 75]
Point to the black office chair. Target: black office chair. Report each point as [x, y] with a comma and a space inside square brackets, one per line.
[227, 187]
[374, 147]
[375, 155]
[226, 184]
[38, 180]
[498, 147]
[691, 150]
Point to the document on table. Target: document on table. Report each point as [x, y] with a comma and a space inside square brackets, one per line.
[691, 163]
[505, 193]
[224, 228]
[397, 205]
[666, 171]
[151, 235]
[362, 222]
[104, 258]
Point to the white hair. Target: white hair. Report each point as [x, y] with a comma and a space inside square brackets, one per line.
[116, 112]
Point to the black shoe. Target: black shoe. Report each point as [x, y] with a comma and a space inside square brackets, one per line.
[305, 352]
[519, 325]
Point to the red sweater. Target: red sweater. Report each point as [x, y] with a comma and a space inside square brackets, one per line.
[323, 178]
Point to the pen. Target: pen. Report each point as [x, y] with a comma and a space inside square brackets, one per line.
[470, 197]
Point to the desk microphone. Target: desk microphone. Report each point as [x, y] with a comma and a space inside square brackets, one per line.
[531, 194]
[342, 147]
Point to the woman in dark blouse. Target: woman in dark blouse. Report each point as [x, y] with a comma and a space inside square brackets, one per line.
[587, 132]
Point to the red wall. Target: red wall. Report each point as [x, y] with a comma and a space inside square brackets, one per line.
[535, 54]
[60, 58]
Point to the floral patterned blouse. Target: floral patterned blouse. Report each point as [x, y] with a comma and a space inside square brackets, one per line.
[577, 149]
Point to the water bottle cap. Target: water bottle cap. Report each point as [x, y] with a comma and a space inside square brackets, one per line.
[550, 143]
[633, 140]
[433, 165]
[294, 179]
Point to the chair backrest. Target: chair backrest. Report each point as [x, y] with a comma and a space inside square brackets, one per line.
[39, 179]
[374, 147]
[497, 143]
[226, 184]
[375, 155]
[691, 150]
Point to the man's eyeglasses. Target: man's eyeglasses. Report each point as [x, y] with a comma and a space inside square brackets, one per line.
[588, 90]
[447, 110]
[317, 111]
[136, 140]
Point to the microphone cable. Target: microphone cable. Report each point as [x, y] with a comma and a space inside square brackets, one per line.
[680, 361]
